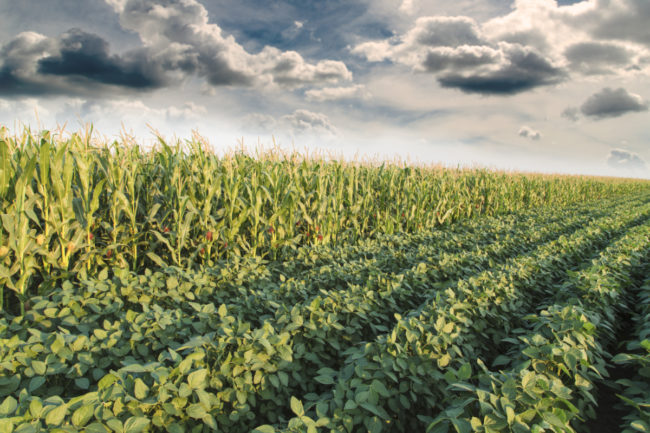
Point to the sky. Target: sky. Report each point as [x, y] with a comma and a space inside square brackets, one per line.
[557, 86]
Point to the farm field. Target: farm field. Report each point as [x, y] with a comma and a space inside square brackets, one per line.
[176, 290]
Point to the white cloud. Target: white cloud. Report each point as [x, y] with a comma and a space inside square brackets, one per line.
[305, 121]
[407, 6]
[298, 123]
[22, 110]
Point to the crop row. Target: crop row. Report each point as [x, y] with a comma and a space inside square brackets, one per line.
[47, 317]
[74, 206]
[205, 367]
[636, 394]
[400, 381]
[557, 358]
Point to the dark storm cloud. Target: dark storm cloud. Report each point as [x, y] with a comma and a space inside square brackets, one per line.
[623, 159]
[77, 62]
[596, 57]
[612, 103]
[177, 42]
[523, 70]
[17, 64]
[87, 55]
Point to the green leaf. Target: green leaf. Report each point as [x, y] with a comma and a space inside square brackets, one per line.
[35, 383]
[82, 382]
[27, 428]
[197, 379]
[444, 360]
[136, 424]
[621, 358]
[39, 367]
[77, 206]
[639, 425]
[96, 428]
[103, 275]
[8, 406]
[196, 411]
[55, 416]
[81, 416]
[115, 425]
[172, 283]
[296, 406]
[438, 426]
[264, 429]
[35, 407]
[380, 388]
[461, 425]
[140, 389]
[325, 380]
[6, 425]
[465, 371]
[210, 422]
[175, 428]
[376, 410]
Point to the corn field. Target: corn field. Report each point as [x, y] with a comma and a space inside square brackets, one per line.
[73, 206]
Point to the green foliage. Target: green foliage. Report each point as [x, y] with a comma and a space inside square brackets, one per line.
[73, 206]
[174, 290]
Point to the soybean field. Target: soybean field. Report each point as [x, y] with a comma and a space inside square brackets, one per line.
[175, 290]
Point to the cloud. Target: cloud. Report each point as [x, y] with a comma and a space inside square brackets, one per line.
[180, 35]
[575, 36]
[76, 62]
[337, 93]
[178, 42]
[597, 57]
[308, 122]
[407, 6]
[528, 132]
[625, 160]
[22, 109]
[457, 52]
[439, 31]
[18, 60]
[625, 20]
[612, 103]
[86, 55]
[463, 57]
[299, 123]
[521, 69]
